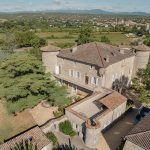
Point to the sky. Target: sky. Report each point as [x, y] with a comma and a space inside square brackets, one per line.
[108, 5]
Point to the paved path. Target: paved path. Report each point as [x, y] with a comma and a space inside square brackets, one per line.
[121, 128]
[71, 143]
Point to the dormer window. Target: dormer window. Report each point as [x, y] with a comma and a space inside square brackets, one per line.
[112, 54]
[106, 59]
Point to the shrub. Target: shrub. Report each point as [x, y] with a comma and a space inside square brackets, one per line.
[51, 136]
[105, 39]
[66, 128]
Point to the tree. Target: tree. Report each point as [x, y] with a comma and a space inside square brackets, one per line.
[105, 39]
[52, 137]
[66, 128]
[141, 84]
[147, 41]
[23, 83]
[28, 39]
[85, 36]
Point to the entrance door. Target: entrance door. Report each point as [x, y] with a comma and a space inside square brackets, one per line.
[86, 80]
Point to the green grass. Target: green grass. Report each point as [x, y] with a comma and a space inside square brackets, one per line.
[66, 39]
[115, 38]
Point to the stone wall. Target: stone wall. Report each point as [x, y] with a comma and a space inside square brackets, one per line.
[53, 125]
[112, 73]
[48, 147]
[119, 70]
[141, 60]
[49, 60]
[131, 146]
[84, 69]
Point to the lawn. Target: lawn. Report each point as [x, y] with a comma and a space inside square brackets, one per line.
[11, 125]
[66, 39]
[115, 38]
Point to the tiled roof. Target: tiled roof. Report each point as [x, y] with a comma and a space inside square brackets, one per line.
[140, 134]
[95, 53]
[113, 100]
[142, 47]
[38, 138]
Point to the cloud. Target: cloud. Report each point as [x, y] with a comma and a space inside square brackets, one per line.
[58, 2]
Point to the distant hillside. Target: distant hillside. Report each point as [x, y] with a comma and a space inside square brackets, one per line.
[92, 11]
[101, 12]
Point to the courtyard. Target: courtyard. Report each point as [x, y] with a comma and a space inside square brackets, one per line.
[114, 134]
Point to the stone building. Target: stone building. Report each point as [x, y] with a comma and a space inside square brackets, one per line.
[97, 69]
[139, 137]
[142, 53]
[49, 57]
[93, 114]
[33, 136]
[93, 66]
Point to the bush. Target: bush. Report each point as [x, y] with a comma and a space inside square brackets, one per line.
[105, 39]
[66, 128]
[58, 114]
[51, 136]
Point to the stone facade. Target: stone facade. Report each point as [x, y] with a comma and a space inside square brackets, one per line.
[141, 60]
[80, 76]
[131, 146]
[91, 77]
[81, 115]
[50, 60]
[89, 117]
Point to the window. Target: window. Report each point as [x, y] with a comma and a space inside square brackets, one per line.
[78, 75]
[94, 80]
[113, 78]
[71, 73]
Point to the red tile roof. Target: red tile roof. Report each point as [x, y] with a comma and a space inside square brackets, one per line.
[113, 100]
[38, 138]
[95, 53]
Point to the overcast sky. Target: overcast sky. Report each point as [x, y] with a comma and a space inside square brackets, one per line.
[40, 5]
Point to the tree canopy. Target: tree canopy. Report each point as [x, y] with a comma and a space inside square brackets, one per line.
[85, 36]
[141, 84]
[23, 83]
[147, 41]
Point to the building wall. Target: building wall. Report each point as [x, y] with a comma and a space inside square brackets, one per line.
[92, 137]
[77, 123]
[117, 71]
[84, 69]
[112, 116]
[131, 146]
[48, 147]
[111, 73]
[141, 60]
[119, 111]
[49, 60]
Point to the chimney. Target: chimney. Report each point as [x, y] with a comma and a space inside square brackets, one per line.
[106, 58]
[74, 49]
[122, 51]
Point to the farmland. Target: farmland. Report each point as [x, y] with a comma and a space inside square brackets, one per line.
[67, 39]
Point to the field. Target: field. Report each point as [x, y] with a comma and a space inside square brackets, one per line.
[11, 125]
[66, 39]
